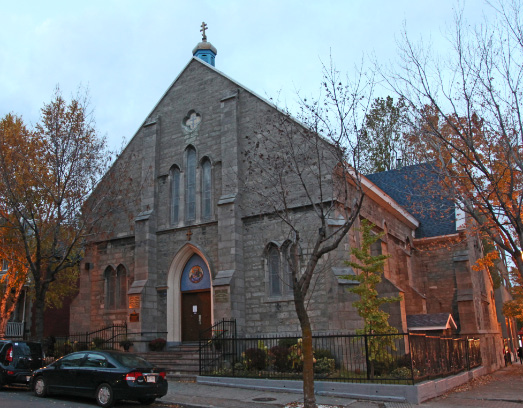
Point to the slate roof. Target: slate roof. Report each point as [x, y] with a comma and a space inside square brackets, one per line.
[416, 188]
[435, 321]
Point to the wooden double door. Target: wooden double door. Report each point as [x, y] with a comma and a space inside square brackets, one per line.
[196, 314]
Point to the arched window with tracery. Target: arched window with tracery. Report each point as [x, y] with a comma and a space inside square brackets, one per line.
[115, 287]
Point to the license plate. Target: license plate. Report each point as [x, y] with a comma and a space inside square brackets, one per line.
[150, 379]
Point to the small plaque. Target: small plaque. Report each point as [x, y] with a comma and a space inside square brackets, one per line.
[134, 301]
[134, 317]
[221, 296]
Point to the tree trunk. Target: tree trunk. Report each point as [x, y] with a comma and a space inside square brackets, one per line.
[3, 326]
[309, 398]
[39, 307]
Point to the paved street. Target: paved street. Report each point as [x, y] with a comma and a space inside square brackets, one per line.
[502, 389]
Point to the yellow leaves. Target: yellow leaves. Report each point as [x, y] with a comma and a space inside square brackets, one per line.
[486, 262]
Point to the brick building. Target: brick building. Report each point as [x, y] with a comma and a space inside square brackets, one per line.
[445, 251]
[191, 253]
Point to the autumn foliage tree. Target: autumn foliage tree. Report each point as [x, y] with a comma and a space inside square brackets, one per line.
[514, 308]
[46, 175]
[467, 112]
[15, 272]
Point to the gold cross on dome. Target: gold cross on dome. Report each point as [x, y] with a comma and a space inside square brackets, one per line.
[204, 27]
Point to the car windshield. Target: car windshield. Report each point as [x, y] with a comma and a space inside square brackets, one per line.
[131, 360]
[28, 349]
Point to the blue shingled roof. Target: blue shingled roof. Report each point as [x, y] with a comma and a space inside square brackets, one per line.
[417, 189]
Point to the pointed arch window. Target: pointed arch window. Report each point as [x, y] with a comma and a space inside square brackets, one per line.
[110, 287]
[115, 288]
[190, 185]
[206, 189]
[120, 298]
[286, 267]
[273, 261]
[279, 270]
[175, 195]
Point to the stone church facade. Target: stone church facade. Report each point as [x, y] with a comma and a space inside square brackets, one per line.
[186, 254]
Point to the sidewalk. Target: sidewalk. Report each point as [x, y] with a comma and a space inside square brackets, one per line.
[502, 389]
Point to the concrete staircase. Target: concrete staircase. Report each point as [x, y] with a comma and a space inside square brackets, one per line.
[181, 363]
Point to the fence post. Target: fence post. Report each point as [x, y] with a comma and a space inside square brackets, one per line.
[411, 358]
[367, 355]
[467, 355]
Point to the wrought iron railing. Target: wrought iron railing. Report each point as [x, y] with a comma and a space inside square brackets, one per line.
[105, 338]
[217, 344]
[392, 359]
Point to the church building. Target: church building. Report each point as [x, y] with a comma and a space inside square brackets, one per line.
[187, 253]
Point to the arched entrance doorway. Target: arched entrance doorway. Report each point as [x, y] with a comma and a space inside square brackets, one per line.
[196, 298]
[189, 299]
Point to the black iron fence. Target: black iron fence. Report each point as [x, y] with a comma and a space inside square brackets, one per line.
[105, 338]
[393, 359]
[442, 356]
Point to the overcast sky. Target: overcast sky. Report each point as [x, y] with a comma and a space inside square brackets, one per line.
[128, 52]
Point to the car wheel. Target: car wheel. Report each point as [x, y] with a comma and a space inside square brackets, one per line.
[105, 396]
[40, 387]
[146, 401]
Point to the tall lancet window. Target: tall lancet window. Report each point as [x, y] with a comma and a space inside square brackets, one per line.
[175, 195]
[190, 185]
[206, 189]
[110, 287]
[274, 271]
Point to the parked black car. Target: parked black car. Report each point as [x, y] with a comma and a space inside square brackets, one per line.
[108, 376]
[18, 359]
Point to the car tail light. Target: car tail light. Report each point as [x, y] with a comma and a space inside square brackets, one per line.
[9, 355]
[162, 374]
[133, 376]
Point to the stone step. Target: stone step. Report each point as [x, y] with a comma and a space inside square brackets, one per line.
[181, 363]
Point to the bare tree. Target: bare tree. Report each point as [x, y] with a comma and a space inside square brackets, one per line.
[468, 111]
[304, 172]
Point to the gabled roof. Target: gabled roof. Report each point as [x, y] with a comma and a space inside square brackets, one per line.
[435, 321]
[417, 189]
[196, 59]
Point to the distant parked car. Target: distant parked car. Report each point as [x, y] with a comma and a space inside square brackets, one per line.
[107, 376]
[18, 359]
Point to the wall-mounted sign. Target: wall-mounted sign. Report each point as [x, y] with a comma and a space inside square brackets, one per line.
[134, 317]
[221, 295]
[134, 301]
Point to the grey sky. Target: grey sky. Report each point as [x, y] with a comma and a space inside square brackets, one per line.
[129, 52]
